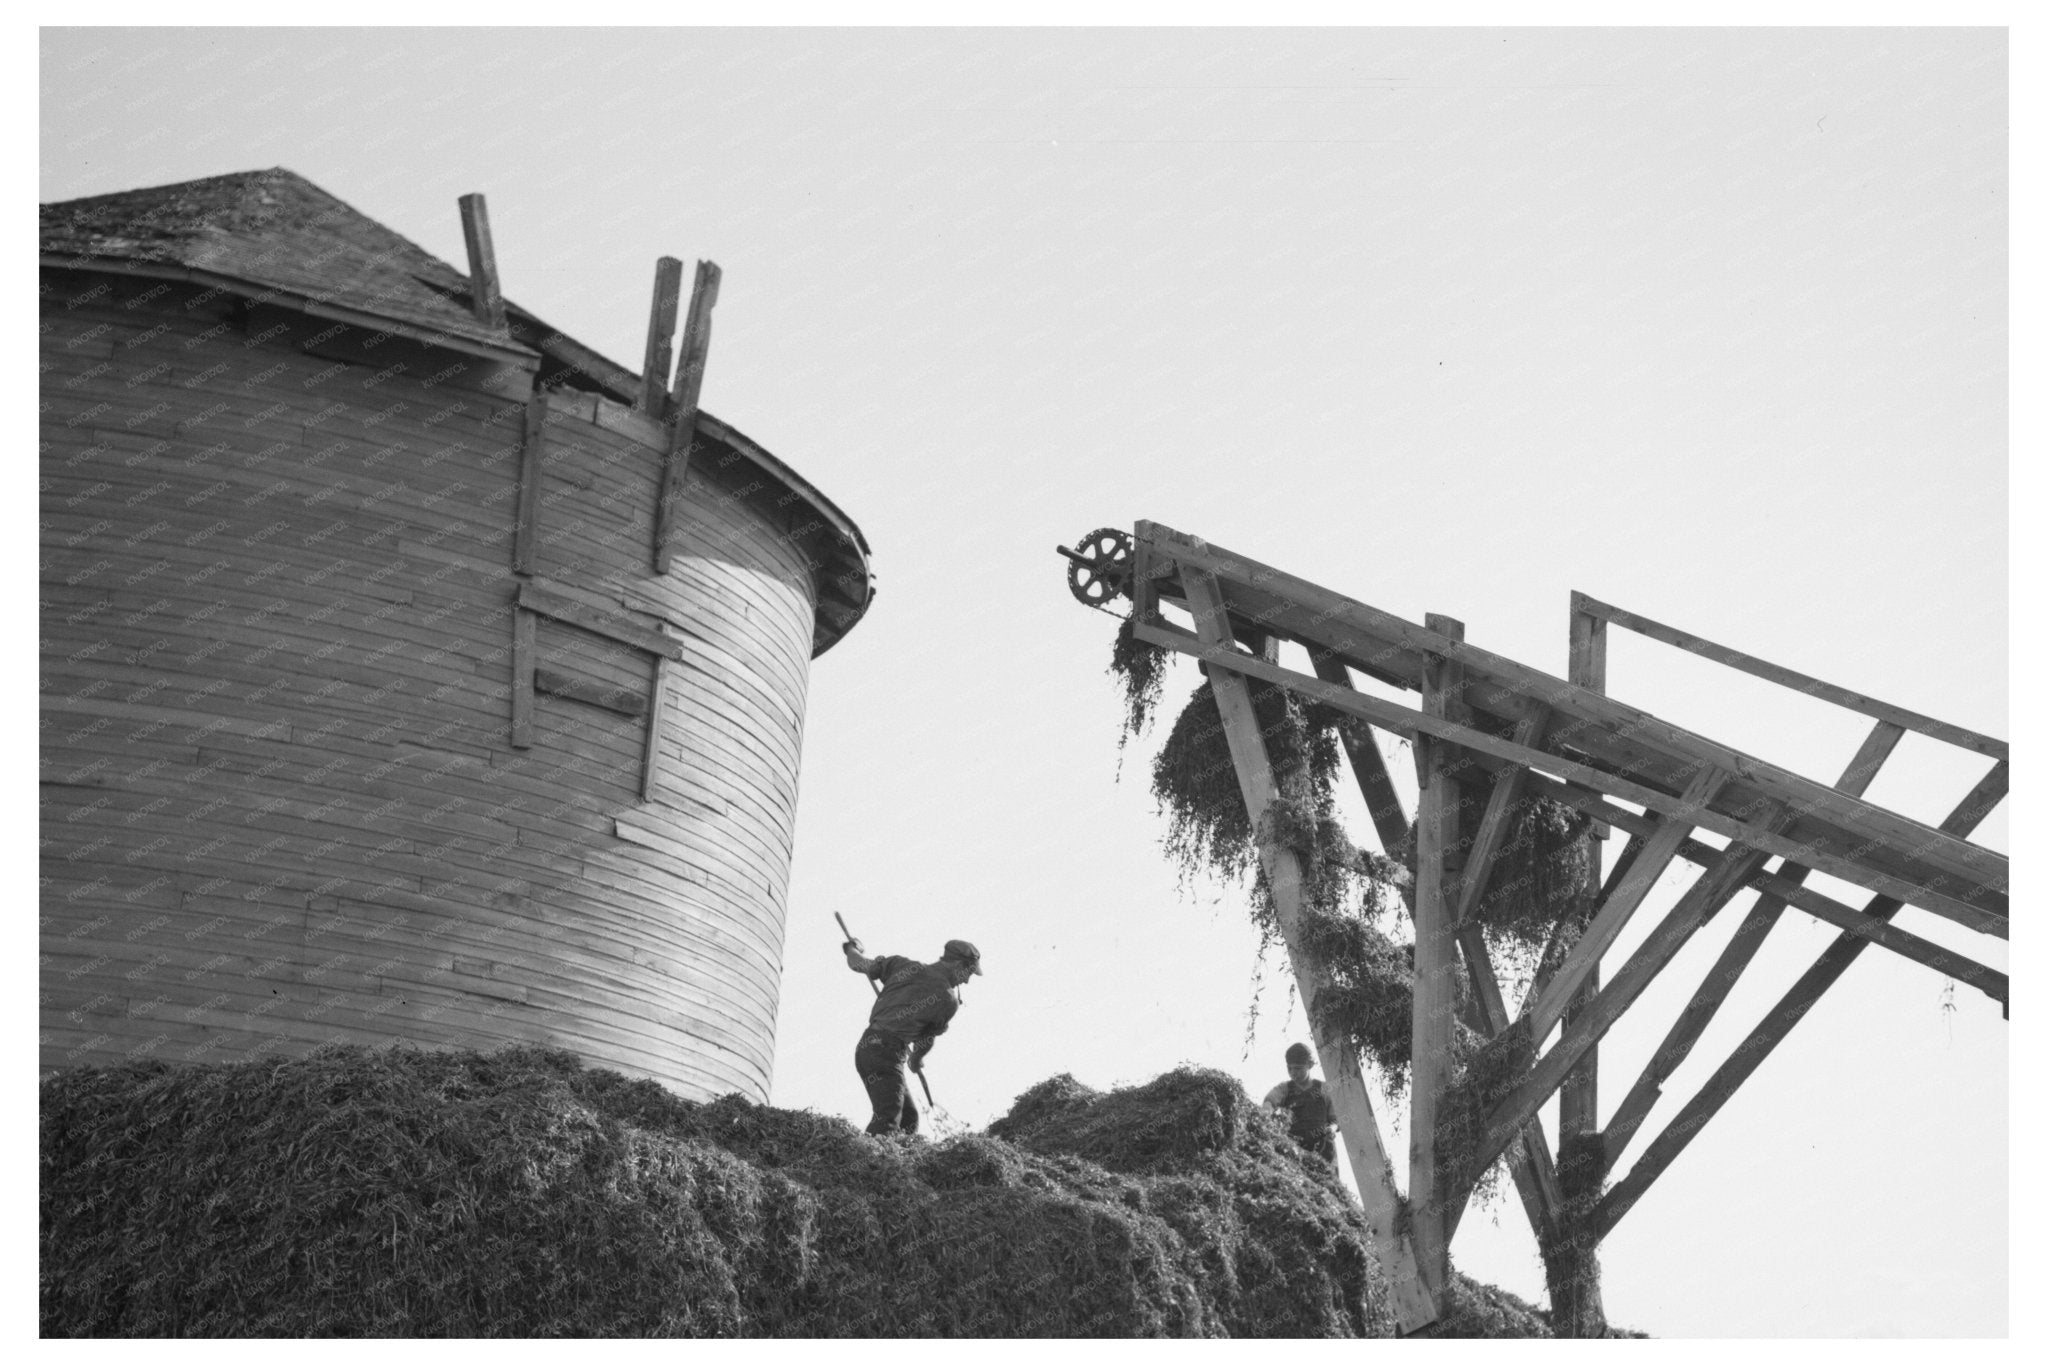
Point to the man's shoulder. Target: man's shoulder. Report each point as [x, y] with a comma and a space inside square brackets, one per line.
[1278, 1094]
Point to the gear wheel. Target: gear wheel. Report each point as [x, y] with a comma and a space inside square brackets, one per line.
[1100, 568]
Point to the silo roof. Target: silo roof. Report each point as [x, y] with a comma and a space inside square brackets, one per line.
[277, 236]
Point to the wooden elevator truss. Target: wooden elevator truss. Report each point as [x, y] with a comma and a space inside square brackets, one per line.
[1514, 731]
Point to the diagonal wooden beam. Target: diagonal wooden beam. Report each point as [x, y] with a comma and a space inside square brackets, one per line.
[1880, 931]
[1590, 1023]
[1821, 907]
[1658, 851]
[1535, 1173]
[1493, 824]
[1409, 722]
[1750, 1053]
[1414, 1301]
[1692, 1021]
[1368, 765]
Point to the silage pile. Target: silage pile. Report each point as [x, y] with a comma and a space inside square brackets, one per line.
[401, 1193]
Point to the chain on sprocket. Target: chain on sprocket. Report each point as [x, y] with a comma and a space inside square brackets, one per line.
[1099, 567]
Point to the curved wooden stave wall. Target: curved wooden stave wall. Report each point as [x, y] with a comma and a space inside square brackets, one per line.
[280, 802]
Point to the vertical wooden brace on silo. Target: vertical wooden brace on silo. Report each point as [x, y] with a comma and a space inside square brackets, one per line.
[682, 410]
[526, 531]
[661, 334]
[485, 300]
[523, 630]
[657, 702]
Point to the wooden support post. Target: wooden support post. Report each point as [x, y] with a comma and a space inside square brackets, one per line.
[1586, 665]
[661, 333]
[1658, 851]
[1436, 840]
[1572, 1266]
[523, 624]
[1414, 1300]
[1805, 993]
[1735, 957]
[532, 461]
[485, 300]
[682, 411]
[1534, 1174]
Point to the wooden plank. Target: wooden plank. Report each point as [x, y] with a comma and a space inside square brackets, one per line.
[1414, 1302]
[650, 765]
[1368, 765]
[1786, 677]
[1617, 908]
[682, 411]
[613, 625]
[532, 460]
[1406, 721]
[1702, 899]
[1734, 959]
[1982, 871]
[523, 624]
[618, 701]
[1430, 1211]
[485, 299]
[1790, 1009]
[661, 331]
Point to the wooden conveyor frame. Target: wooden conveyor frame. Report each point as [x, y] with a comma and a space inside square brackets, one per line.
[1514, 730]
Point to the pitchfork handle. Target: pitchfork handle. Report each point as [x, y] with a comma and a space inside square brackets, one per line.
[849, 938]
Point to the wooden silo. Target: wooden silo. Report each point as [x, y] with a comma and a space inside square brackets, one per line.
[366, 714]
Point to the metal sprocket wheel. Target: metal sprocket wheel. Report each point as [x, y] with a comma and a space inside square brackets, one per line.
[1099, 567]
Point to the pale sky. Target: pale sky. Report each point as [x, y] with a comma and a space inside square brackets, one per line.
[1711, 324]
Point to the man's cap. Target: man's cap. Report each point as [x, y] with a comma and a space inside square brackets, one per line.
[1298, 1052]
[960, 950]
